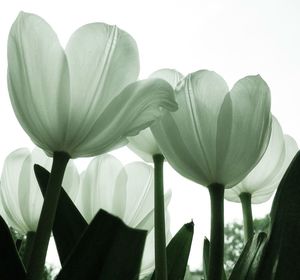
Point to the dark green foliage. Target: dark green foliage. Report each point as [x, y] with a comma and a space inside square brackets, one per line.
[247, 264]
[234, 240]
[69, 224]
[281, 259]
[108, 249]
[178, 251]
[11, 266]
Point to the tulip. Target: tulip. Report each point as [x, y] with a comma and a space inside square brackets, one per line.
[216, 138]
[20, 197]
[262, 181]
[145, 146]
[124, 191]
[81, 101]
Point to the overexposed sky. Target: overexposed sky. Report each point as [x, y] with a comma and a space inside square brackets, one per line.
[233, 38]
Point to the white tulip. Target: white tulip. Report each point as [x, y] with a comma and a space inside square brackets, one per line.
[124, 191]
[217, 135]
[83, 100]
[20, 195]
[263, 180]
[144, 144]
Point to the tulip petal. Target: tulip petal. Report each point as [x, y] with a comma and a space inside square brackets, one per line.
[30, 196]
[244, 128]
[144, 145]
[38, 81]
[291, 149]
[9, 189]
[140, 188]
[264, 172]
[137, 107]
[187, 137]
[97, 186]
[170, 75]
[262, 185]
[103, 60]
[71, 181]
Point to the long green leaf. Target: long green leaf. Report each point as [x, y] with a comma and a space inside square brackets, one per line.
[178, 251]
[205, 257]
[281, 259]
[11, 266]
[69, 224]
[247, 264]
[108, 249]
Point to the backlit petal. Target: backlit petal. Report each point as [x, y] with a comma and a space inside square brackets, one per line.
[244, 129]
[38, 81]
[138, 106]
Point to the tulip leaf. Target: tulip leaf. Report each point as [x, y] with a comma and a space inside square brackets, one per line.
[247, 264]
[11, 266]
[108, 249]
[178, 251]
[205, 257]
[69, 224]
[281, 257]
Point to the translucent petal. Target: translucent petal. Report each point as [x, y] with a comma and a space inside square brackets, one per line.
[244, 128]
[103, 60]
[261, 192]
[172, 76]
[98, 186]
[187, 137]
[264, 174]
[9, 189]
[144, 144]
[38, 81]
[140, 192]
[137, 107]
[270, 164]
[20, 193]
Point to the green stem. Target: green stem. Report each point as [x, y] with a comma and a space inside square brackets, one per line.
[40, 246]
[161, 272]
[29, 241]
[216, 252]
[247, 215]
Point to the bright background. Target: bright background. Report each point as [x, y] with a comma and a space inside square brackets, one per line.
[233, 38]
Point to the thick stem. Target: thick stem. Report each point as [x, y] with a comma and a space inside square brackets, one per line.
[161, 272]
[247, 215]
[39, 251]
[216, 252]
[29, 241]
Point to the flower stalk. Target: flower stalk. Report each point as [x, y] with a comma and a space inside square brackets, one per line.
[247, 215]
[216, 252]
[40, 246]
[161, 271]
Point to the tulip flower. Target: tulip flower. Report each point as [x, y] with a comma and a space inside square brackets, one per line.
[262, 181]
[81, 101]
[144, 145]
[20, 197]
[215, 138]
[124, 191]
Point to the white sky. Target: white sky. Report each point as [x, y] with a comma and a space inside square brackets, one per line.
[233, 38]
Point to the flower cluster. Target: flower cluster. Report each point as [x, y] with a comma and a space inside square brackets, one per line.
[110, 222]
